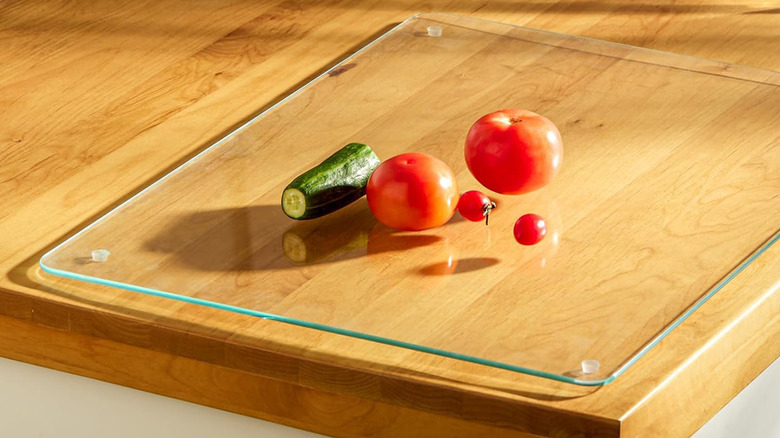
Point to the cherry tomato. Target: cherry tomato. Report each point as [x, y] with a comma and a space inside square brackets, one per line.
[514, 151]
[475, 206]
[530, 229]
[412, 191]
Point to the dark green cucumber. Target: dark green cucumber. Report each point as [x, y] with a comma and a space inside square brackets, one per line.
[333, 184]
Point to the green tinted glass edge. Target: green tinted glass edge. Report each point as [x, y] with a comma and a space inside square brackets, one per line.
[552, 376]
[422, 348]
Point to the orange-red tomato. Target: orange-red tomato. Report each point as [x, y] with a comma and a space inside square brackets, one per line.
[412, 191]
[514, 151]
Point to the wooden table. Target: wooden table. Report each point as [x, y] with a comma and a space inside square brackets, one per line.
[99, 101]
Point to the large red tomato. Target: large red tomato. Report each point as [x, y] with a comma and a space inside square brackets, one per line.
[514, 151]
[412, 191]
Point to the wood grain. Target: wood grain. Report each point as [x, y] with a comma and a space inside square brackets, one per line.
[88, 95]
[668, 213]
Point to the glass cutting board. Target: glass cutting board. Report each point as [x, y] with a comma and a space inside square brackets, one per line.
[670, 186]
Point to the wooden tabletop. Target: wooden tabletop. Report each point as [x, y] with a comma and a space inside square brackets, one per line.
[98, 101]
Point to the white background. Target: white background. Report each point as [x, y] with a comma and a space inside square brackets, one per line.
[38, 402]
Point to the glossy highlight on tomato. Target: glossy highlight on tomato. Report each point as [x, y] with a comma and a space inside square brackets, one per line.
[412, 191]
[514, 151]
[530, 229]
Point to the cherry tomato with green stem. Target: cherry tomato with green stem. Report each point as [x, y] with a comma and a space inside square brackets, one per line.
[475, 206]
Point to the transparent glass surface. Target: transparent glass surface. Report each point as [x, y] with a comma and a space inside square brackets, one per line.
[670, 186]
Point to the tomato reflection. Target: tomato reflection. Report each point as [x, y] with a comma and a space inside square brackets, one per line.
[544, 251]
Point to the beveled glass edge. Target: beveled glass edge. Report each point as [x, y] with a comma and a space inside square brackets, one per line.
[441, 17]
[430, 350]
[696, 305]
[322, 327]
[635, 53]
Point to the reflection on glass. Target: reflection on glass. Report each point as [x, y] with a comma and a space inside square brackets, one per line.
[653, 222]
[545, 250]
[331, 237]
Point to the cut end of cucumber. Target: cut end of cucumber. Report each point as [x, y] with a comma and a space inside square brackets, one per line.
[293, 203]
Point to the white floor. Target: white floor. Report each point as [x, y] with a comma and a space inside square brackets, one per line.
[38, 402]
[753, 413]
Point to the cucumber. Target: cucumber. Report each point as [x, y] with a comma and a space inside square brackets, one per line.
[335, 183]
